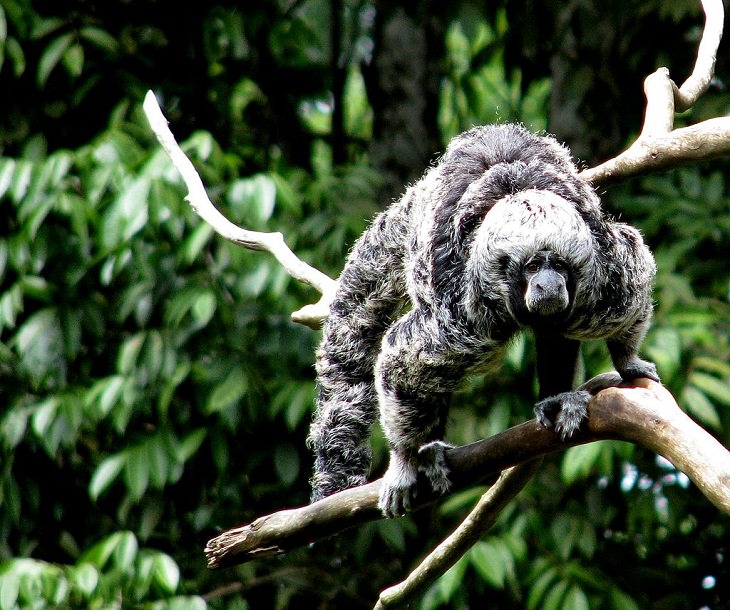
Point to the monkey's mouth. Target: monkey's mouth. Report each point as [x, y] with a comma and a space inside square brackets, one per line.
[547, 306]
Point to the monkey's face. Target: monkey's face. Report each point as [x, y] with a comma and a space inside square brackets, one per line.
[546, 284]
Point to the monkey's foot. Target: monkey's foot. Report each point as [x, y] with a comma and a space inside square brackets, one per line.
[398, 491]
[565, 412]
[637, 368]
[400, 482]
[432, 463]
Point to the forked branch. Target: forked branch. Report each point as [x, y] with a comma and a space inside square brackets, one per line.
[660, 146]
[645, 414]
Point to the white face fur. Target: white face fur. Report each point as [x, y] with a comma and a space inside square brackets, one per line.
[530, 221]
[517, 227]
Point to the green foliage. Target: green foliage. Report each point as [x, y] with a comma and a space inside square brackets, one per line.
[154, 390]
[478, 89]
[112, 569]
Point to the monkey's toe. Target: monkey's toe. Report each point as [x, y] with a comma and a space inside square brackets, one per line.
[546, 411]
[398, 492]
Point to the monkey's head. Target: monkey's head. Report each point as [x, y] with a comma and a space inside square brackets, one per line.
[534, 253]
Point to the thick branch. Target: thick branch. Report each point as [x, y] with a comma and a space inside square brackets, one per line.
[646, 415]
[253, 240]
[707, 140]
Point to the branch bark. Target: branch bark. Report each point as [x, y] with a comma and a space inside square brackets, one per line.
[311, 315]
[645, 414]
[660, 146]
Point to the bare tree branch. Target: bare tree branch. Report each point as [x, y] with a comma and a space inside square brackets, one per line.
[645, 414]
[478, 521]
[704, 69]
[274, 243]
[659, 145]
[707, 140]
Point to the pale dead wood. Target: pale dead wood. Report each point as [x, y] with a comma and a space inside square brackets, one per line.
[646, 414]
[660, 146]
[273, 243]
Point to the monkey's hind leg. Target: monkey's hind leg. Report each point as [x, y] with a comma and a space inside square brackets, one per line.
[415, 380]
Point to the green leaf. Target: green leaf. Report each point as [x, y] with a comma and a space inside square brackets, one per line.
[13, 426]
[51, 56]
[576, 599]
[105, 474]
[195, 242]
[7, 170]
[166, 574]
[99, 554]
[137, 472]
[129, 353]
[73, 59]
[489, 563]
[229, 391]
[621, 601]
[712, 386]
[127, 215]
[159, 461]
[11, 304]
[110, 395]
[21, 179]
[190, 444]
[100, 38]
[9, 587]
[578, 462]
[125, 551]
[253, 199]
[697, 403]
[44, 414]
[204, 307]
[39, 343]
[85, 577]
[554, 598]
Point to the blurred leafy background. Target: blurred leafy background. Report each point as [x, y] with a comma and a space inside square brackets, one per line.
[152, 388]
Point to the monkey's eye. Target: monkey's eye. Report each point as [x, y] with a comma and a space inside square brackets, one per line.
[532, 268]
[558, 266]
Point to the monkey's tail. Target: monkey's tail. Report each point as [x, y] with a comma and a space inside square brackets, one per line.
[370, 294]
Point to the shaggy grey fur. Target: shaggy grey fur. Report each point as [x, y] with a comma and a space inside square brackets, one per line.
[434, 289]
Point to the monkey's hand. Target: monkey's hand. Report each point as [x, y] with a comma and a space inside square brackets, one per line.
[565, 412]
[400, 482]
[636, 367]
